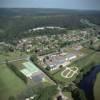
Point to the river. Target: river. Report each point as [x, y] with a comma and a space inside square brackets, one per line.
[87, 84]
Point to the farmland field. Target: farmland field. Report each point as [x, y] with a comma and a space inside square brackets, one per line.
[11, 55]
[95, 57]
[10, 84]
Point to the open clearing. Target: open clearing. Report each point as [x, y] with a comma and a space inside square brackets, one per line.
[10, 84]
[11, 55]
[94, 57]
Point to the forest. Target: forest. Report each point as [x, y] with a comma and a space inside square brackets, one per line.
[14, 23]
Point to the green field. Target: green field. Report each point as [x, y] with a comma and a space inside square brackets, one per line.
[11, 55]
[58, 77]
[95, 57]
[10, 84]
[97, 88]
[19, 64]
[31, 67]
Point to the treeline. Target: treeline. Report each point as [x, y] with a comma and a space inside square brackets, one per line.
[16, 27]
[78, 94]
[87, 68]
[17, 72]
[43, 11]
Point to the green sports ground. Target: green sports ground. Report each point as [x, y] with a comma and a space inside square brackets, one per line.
[29, 69]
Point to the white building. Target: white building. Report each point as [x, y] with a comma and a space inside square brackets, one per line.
[56, 61]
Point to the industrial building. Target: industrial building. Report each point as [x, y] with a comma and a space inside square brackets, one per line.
[58, 60]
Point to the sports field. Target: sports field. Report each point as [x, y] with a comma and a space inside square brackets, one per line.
[11, 55]
[10, 84]
[29, 69]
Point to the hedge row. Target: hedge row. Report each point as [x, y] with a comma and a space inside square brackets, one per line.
[78, 94]
[17, 72]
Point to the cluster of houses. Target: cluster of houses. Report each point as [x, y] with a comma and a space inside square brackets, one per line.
[44, 44]
[25, 45]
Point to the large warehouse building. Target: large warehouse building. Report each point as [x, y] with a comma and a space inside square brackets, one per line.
[58, 60]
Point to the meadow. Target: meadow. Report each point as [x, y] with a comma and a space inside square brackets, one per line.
[10, 84]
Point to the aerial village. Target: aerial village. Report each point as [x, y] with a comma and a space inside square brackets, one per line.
[53, 54]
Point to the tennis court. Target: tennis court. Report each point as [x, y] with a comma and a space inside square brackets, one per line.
[29, 69]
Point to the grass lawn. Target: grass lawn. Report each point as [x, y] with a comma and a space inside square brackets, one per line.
[10, 84]
[97, 88]
[58, 77]
[11, 55]
[19, 64]
[85, 60]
